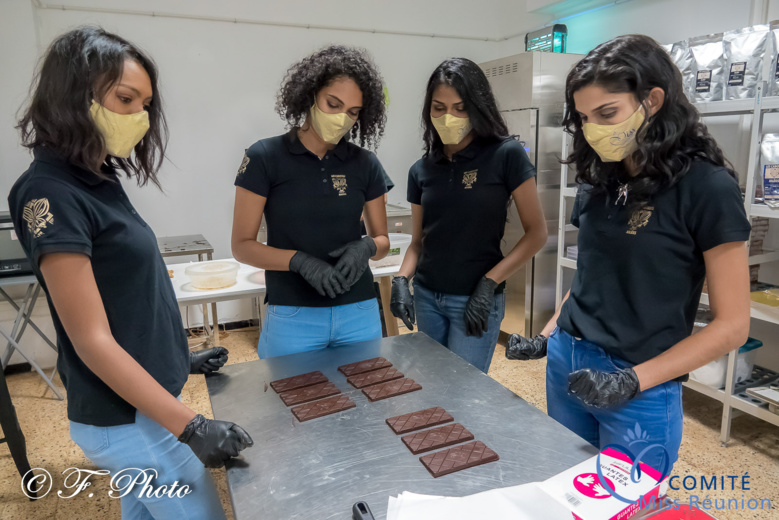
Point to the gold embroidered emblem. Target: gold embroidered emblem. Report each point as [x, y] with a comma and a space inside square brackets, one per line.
[639, 219]
[36, 213]
[469, 178]
[244, 164]
[339, 183]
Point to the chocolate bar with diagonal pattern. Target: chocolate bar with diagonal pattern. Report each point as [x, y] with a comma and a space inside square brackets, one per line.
[315, 409]
[375, 377]
[291, 383]
[440, 437]
[309, 393]
[458, 458]
[364, 366]
[414, 421]
[391, 389]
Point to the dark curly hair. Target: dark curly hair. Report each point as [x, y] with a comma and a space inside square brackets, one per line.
[473, 87]
[79, 66]
[307, 77]
[668, 142]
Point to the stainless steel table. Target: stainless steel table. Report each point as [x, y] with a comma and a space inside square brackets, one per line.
[317, 469]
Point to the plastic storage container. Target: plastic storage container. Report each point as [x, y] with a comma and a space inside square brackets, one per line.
[399, 243]
[714, 373]
[212, 275]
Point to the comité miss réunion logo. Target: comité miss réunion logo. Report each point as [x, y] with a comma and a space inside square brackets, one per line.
[598, 486]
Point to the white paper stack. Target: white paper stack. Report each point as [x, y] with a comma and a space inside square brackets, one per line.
[525, 502]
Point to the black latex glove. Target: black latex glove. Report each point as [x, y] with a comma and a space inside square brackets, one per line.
[214, 442]
[353, 258]
[207, 361]
[477, 310]
[319, 274]
[522, 348]
[604, 389]
[402, 303]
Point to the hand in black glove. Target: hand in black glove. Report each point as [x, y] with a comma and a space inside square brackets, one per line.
[214, 442]
[523, 349]
[207, 361]
[604, 389]
[353, 258]
[319, 274]
[477, 310]
[402, 303]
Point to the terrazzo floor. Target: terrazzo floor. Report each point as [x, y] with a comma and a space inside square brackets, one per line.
[754, 448]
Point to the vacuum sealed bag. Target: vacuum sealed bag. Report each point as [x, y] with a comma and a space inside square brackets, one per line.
[769, 168]
[709, 67]
[683, 59]
[744, 50]
[773, 82]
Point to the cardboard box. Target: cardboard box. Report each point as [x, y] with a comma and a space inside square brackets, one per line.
[581, 491]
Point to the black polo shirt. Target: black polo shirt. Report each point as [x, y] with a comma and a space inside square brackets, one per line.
[313, 205]
[59, 208]
[464, 204]
[640, 272]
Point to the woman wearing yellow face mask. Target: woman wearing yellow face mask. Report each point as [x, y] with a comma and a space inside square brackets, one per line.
[95, 113]
[459, 194]
[311, 185]
[658, 209]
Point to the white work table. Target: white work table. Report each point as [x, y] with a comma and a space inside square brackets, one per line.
[250, 283]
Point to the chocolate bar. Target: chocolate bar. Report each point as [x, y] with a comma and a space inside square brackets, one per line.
[313, 410]
[364, 366]
[309, 393]
[414, 421]
[391, 389]
[440, 437]
[291, 383]
[458, 458]
[374, 377]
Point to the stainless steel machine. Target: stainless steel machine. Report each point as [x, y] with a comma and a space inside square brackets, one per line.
[529, 89]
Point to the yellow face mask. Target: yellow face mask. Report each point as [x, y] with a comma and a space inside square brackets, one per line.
[613, 143]
[330, 127]
[121, 132]
[452, 129]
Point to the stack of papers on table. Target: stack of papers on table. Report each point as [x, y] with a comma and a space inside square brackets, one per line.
[525, 502]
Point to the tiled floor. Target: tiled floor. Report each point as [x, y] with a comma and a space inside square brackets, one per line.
[754, 448]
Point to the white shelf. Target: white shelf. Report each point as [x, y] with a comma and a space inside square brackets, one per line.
[571, 227]
[569, 192]
[764, 258]
[770, 103]
[709, 391]
[567, 262]
[761, 210]
[758, 311]
[726, 108]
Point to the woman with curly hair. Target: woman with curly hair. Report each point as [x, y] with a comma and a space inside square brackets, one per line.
[658, 209]
[311, 185]
[461, 188]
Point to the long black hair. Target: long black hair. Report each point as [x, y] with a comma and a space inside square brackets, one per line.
[79, 66]
[474, 89]
[668, 142]
[306, 78]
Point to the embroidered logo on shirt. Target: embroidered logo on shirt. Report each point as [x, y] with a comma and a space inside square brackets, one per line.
[469, 178]
[339, 183]
[244, 164]
[639, 219]
[36, 213]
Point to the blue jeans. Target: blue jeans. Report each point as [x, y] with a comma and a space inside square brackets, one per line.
[654, 416]
[289, 330]
[145, 444]
[442, 317]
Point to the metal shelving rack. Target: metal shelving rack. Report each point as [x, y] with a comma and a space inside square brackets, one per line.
[757, 108]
